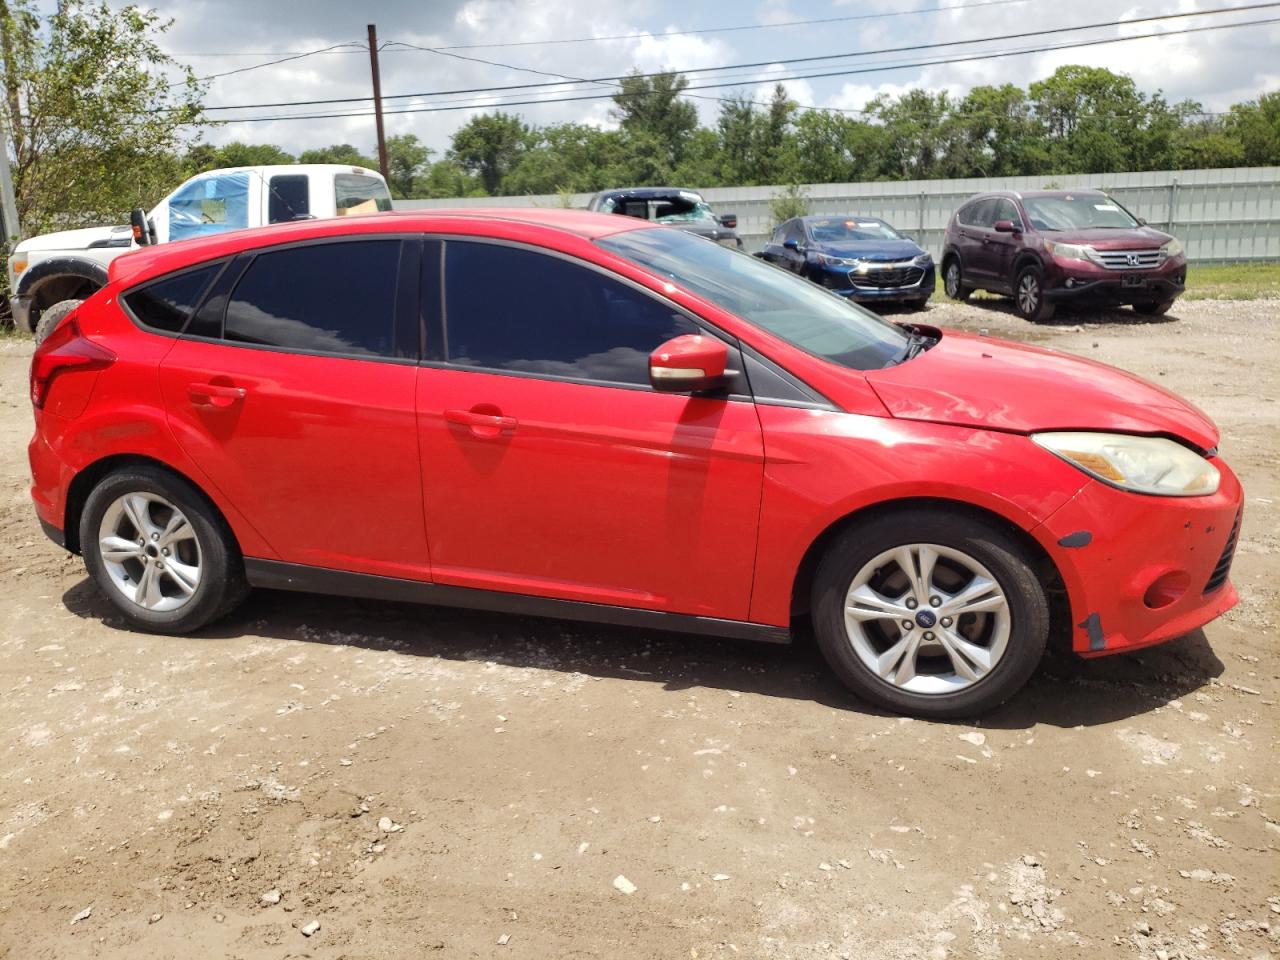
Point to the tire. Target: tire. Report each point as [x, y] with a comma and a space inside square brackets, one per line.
[1153, 309]
[52, 316]
[953, 281]
[1008, 640]
[1028, 295]
[206, 545]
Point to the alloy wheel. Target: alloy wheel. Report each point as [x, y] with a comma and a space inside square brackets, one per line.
[927, 619]
[1028, 294]
[952, 279]
[150, 552]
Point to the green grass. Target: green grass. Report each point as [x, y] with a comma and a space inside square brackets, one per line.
[1240, 281]
[1235, 281]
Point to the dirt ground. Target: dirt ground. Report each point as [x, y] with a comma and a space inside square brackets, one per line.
[431, 782]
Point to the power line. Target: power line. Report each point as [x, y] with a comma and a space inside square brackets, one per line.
[879, 68]
[750, 26]
[732, 67]
[272, 63]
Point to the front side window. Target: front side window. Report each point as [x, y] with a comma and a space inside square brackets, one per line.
[288, 198]
[322, 298]
[1005, 210]
[167, 304]
[772, 299]
[795, 231]
[354, 193]
[526, 312]
[212, 204]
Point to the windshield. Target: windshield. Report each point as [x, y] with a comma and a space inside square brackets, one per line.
[772, 299]
[674, 208]
[1078, 212]
[837, 230]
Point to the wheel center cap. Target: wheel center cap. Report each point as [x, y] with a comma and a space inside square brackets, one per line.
[926, 618]
[151, 550]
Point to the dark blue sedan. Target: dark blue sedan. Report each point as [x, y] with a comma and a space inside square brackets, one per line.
[862, 258]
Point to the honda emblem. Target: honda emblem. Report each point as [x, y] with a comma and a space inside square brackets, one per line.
[1131, 259]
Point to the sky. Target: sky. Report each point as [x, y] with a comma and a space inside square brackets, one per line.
[1216, 68]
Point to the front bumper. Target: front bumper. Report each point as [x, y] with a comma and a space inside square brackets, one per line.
[1079, 280]
[1140, 569]
[868, 287]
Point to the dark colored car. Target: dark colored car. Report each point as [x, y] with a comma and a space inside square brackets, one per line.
[671, 207]
[862, 258]
[1061, 246]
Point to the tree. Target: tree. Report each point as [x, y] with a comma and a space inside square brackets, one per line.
[1255, 124]
[343, 153]
[490, 146]
[204, 157]
[95, 120]
[407, 160]
[650, 111]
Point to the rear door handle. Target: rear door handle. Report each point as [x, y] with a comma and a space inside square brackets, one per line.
[481, 424]
[215, 394]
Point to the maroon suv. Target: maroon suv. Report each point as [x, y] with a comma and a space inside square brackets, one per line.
[1052, 246]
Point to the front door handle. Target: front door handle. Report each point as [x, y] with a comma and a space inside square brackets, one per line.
[215, 394]
[481, 422]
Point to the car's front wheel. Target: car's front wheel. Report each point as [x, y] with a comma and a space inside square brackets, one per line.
[1028, 295]
[930, 613]
[160, 552]
[1153, 309]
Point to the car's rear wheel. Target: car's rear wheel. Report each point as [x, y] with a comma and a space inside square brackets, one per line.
[930, 613]
[160, 552]
[1153, 309]
[1028, 295]
[52, 316]
[953, 281]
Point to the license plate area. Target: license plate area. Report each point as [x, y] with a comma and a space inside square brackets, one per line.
[1133, 281]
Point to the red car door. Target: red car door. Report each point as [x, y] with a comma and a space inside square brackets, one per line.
[299, 408]
[551, 468]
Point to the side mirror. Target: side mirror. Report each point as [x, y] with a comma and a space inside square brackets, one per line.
[792, 245]
[1142, 221]
[1005, 226]
[690, 363]
[143, 232]
[729, 220]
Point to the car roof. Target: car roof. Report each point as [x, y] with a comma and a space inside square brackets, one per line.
[1025, 194]
[839, 216]
[647, 193]
[153, 261]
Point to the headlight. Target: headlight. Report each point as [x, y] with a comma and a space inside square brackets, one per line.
[829, 261]
[1172, 248]
[924, 259]
[1142, 464]
[1069, 251]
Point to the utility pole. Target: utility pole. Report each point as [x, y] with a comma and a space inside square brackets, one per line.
[377, 100]
[8, 205]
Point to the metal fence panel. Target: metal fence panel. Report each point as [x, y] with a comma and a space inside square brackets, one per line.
[1221, 215]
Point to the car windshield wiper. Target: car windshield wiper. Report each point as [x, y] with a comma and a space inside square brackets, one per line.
[917, 343]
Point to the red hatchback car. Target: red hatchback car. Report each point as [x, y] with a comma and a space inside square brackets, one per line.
[587, 416]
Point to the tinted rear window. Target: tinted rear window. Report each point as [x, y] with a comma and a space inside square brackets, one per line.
[167, 304]
[288, 198]
[327, 298]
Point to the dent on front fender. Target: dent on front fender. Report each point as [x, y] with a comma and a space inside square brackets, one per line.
[821, 467]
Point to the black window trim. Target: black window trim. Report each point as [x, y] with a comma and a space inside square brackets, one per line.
[440, 326]
[251, 254]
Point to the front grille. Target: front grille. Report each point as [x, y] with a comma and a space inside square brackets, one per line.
[881, 278]
[1223, 568]
[1129, 259]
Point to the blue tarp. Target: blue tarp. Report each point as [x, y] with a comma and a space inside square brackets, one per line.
[210, 205]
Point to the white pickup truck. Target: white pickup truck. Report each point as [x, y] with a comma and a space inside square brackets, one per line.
[61, 269]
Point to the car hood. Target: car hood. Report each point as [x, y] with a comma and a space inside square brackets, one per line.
[73, 239]
[983, 382]
[1139, 238]
[874, 250]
